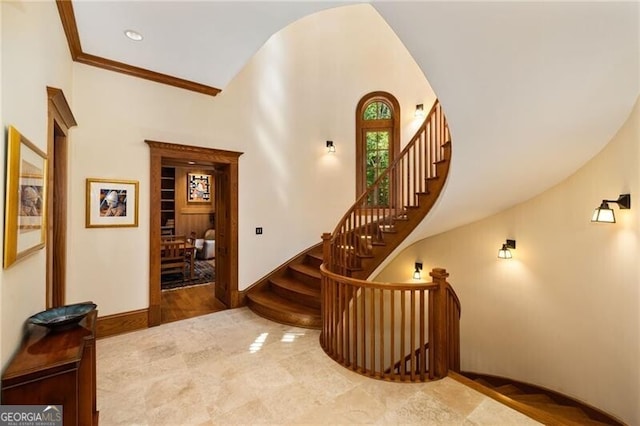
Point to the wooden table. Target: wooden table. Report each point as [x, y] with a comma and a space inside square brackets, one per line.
[57, 368]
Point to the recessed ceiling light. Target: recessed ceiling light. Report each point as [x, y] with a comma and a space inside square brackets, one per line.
[133, 35]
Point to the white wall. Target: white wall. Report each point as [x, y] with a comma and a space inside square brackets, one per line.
[298, 91]
[34, 55]
[564, 313]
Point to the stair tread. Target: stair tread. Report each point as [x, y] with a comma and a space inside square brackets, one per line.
[306, 269]
[508, 389]
[483, 382]
[568, 411]
[296, 286]
[533, 397]
[316, 255]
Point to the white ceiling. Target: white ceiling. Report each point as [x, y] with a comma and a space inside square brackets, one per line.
[531, 90]
[203, 41]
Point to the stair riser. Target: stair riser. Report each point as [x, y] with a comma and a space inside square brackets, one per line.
[303, 299]
[312, 282]
[313, 261]
[299, 320]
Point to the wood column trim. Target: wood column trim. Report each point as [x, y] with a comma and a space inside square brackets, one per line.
[60, 120]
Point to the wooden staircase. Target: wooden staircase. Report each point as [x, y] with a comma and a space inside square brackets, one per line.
[367, 234]
[543, 405]
[291, 294]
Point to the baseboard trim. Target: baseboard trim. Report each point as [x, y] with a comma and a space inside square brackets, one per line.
[123, 322]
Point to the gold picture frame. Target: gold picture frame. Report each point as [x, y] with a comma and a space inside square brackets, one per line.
[25, 222]
[111, 203]
[198, 188]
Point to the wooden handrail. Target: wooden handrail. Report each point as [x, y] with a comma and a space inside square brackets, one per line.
[368, 326]
[387, 200]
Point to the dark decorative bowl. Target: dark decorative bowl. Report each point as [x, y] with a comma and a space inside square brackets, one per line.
[63, 317]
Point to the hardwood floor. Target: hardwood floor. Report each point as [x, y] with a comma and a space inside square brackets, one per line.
[188, 302]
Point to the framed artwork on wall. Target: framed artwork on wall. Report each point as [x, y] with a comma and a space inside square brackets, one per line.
[111, 203]
[25, 204]
[198, 188]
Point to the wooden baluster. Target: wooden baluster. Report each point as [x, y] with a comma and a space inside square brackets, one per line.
[372, 332]
[422, 363]
[392, 337]
[381, 331]
[363, 330]
[347, 325]
[413, 335]
[431, 331]
[403, 315]
[354, 327]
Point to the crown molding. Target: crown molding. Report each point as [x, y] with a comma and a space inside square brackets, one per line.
[67, 16]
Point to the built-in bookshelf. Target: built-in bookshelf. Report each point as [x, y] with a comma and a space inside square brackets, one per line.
[168, 201]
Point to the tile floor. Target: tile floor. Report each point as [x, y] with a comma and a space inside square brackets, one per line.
[233, 367]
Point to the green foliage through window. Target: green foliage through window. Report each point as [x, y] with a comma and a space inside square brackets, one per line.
[377, 110]
[377, 161]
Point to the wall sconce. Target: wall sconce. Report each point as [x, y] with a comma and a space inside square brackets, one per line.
[604, 214]
[330, 147]
[416, 273]
[419, 111]
[504, 252]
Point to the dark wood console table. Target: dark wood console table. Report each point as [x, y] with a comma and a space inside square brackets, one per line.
[56, 368]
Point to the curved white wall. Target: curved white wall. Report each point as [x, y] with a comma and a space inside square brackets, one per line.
[34, 55]
[298, 91]
[564, 313]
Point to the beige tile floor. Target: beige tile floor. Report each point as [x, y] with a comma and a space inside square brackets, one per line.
[233, 367]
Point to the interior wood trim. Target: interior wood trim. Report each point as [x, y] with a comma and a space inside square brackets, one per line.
[124, 322]
[67, 16]
[164, 150]
[62, 106]
[60, 119]
[361, 126]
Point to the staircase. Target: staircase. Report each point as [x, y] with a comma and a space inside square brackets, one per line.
[367, 234]
[543, 405]
[291, 294]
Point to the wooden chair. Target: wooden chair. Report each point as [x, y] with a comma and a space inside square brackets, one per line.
[173, 256]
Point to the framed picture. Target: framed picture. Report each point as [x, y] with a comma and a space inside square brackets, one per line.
[198, 188]
[111, 203]
[25, 205]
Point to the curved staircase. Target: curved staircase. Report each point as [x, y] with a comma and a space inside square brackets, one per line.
[291, 294]
[543, 405]
[366, 234]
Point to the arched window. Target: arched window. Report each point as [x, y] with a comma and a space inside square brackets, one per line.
[377, 142]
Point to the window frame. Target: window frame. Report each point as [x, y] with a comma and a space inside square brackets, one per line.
[362, 126]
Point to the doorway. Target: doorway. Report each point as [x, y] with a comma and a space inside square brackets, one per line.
[225, 164]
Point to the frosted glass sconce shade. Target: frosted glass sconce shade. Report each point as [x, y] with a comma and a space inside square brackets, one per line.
[331, 147]
[604, 214]
[504, 252]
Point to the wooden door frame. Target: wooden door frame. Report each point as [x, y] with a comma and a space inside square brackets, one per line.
[164, 150]
[60, 120]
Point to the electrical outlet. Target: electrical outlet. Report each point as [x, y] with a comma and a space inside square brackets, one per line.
[259, 230]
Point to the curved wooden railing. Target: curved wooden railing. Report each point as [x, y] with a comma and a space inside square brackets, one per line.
[368, 327]
[390, 198]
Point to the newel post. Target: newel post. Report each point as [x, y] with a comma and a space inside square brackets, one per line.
[438, 320]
